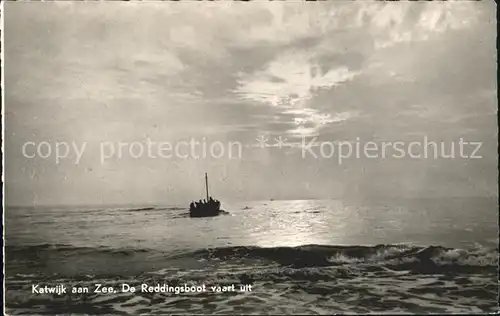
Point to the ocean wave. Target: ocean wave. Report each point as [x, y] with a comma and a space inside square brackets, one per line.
[144, 209]
[68, 249]
[393, 256]
[131, 209]
[309, 279]
[399, 257]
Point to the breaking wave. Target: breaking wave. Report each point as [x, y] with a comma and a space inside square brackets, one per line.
[308, 279]
[430, 259]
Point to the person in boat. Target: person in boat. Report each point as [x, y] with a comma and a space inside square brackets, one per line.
[213, 202]
[191, 206]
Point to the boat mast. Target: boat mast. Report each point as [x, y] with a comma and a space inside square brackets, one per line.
[206, 184]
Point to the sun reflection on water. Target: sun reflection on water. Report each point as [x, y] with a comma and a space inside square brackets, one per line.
[294, 223]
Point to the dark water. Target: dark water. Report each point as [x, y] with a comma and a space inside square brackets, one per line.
[313, 257]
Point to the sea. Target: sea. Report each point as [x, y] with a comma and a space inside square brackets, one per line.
[264, 257]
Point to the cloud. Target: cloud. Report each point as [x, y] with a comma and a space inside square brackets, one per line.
[392, 23]
[231, 70]
[289, 82]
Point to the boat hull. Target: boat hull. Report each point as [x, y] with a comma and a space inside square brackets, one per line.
[194, 214]
[205, 211]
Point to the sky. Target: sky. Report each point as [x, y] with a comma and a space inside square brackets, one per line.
[312, 73]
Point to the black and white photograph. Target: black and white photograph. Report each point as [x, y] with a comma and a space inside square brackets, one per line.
[250, 157]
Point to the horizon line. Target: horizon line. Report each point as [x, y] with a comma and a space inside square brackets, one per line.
[145, 204]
